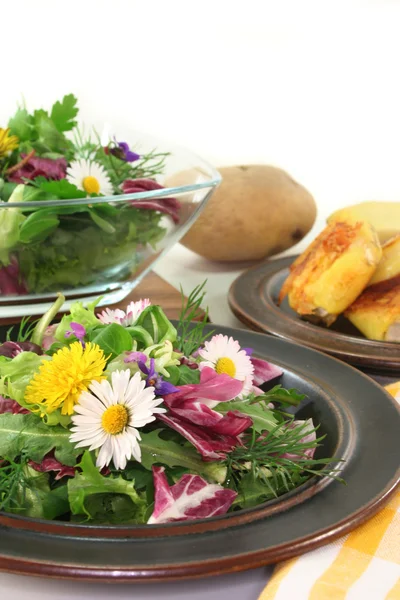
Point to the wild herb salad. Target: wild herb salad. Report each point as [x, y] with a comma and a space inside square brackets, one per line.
[120, 417]
[45, 156]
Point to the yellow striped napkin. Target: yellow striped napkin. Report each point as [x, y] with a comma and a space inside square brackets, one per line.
[363, 565]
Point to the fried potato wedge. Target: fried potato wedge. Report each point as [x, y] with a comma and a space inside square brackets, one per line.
[332, 271]
[383, 216]
[376, 313]
[389, 265]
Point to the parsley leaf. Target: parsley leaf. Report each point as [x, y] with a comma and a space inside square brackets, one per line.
[63, 113]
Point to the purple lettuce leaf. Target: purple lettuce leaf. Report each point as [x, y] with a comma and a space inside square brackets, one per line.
[10, 279]
[212, 389]
[168, 206]
[40, 167]
[7, 405]
[264, 371]
[310, 436]
[210, 445]
[190, 498]
[51, 464]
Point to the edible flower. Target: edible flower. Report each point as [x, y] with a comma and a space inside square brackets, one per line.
[62, 379]
[155, 380]
[224, 355]
[108, 417]
[123, 152]
[133, 311]
[8, 142]
[90, 177]
[77, 330]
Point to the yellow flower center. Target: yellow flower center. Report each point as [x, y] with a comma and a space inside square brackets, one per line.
[91, 185]
[114, 419]
[225, 365]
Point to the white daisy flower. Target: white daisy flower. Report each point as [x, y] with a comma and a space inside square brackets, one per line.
[133, 311]
[109, 316]
[108, 418]
[90, 177]
[224, 355]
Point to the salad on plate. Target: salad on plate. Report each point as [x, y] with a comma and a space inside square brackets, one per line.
[122, 417]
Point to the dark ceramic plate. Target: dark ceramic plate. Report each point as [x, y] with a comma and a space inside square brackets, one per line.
[362, 424]
[253, 299]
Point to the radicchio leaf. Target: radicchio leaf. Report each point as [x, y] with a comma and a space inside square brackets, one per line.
[168, 206]
[10, 279]
[210, 445]
[210, 432]
[309, 437]
[40, 167]
[212, 389]
[7, 405]
[264, 371]
[190, 498]
[49, 463]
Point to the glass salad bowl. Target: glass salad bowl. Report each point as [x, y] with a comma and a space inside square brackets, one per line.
[97, 245]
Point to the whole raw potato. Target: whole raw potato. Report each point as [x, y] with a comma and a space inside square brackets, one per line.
[257, 211]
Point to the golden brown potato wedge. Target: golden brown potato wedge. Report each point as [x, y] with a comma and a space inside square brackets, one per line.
[389, 265]
[383, 216]
[376, 313]
[332, 271]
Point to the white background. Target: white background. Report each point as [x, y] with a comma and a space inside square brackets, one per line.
[311, 86]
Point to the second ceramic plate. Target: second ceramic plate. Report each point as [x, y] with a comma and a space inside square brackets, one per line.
[253, 299]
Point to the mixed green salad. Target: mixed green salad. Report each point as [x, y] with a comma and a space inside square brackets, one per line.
[119, 417]
[45, 156]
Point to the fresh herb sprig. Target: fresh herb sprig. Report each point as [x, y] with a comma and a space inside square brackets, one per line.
[12, 478]
[264, 461]
[192, 336]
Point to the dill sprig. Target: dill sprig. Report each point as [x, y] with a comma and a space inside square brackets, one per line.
[191, 335]
[25, 330]
[261, 466]
[12, 481]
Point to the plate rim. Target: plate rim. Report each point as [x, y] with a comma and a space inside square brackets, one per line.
[240, 560]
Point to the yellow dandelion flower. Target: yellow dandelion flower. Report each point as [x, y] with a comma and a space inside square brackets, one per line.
[8, 143]
[61, 380]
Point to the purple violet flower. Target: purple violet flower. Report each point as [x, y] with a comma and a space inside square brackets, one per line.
[162, 388]
[249, 351]
[136, 357]
[123, 152]
[78, 331]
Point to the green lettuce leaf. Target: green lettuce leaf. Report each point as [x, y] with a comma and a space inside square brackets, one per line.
[63, 113]
[263, 418]
[156, 323]
[99, 498]
[11, 220]
[156, 450]
[33, 497]
[21, 125]
[29, 434]
[112, 339]
[16, 374]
